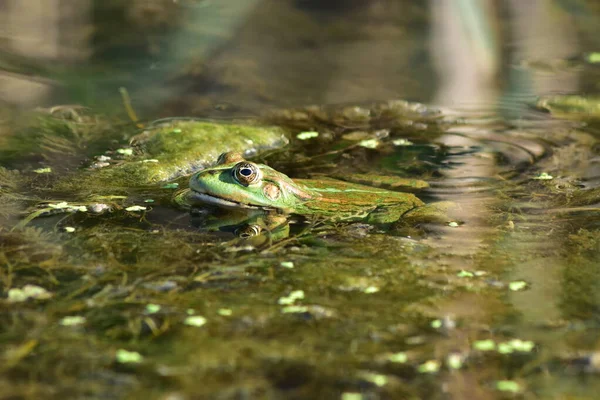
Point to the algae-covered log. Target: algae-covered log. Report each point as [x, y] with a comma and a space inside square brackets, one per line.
[175, 149]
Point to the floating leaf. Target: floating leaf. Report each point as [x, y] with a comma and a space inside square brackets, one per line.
[72, 320]
[195, 320]
[307, 135]
[128, 357]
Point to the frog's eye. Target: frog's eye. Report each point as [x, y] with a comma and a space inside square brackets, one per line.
[246, 173]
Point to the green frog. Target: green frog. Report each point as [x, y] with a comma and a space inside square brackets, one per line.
[237, 184]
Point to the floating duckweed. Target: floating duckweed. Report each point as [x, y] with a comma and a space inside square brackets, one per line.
[508, 386]
[371, 289]
[72, 320]
[593, 58]
[195, 320]
[69, 229]
[544, 177]
[292, 297]
[125, 152]
[352, 396]
[522, 345]
[484, 345]
[369, 143]
[224, 312]
[436, 324]
[516, 286]
[46, 170]
[128, 357]
[16, 295]
[294, 309]
[453, 224]
[505, 348]
[429, 367]
[465, 274]
[400, 358]
[402, 142]
[152, 308]
[135, 208]
[454, 361]
[287, 264]
[173, 185]
[376, 379]
[307, 135]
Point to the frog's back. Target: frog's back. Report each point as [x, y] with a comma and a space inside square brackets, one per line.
[335, 196]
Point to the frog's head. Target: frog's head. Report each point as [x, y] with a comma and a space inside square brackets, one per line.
[237, 183]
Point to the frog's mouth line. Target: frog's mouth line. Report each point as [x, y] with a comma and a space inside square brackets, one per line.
[218, 201]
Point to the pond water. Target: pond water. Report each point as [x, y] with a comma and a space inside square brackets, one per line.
[111, 288]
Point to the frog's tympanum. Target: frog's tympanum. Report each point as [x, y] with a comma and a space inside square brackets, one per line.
[235, 183]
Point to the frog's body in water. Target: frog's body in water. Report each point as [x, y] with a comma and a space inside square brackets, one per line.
[239, 184]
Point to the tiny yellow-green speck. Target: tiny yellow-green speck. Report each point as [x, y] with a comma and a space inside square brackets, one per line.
[224, 312]
[369, 143]
[376, 379]
[16, 295]
[522, 345]
[195, 320]
[508, 386]
[436, 324]
[190, 311]
[593, 57]
[399, 358]
[46, 170]
[135, 208]
[152, 308]
[294, 309]
[484, 345]
[505, 348]
[453, 224]
[176, 130]
[125, 152]
[544, 177]
[149, 201]
[173, 185]
[515, 286]
[287, 264]
[429, 367]
[352, 396]
[454, 361]
[128, 357]
[402, 142]
[465, 274]
[69, 229]
[151, 160]
[307, 135]
[72, 320]
[371, 289]
[292, 297]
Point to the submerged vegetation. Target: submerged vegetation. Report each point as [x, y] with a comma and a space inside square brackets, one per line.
[142, 298]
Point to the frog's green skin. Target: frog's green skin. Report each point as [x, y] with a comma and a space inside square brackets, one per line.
[225, 186]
